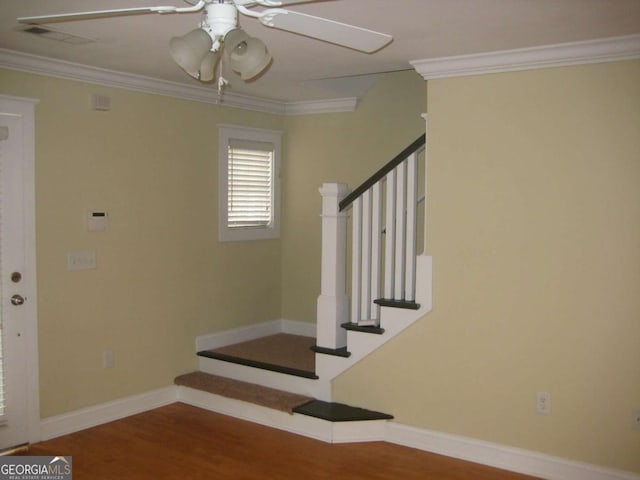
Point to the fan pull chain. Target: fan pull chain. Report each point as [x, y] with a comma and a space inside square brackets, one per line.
[221, 82]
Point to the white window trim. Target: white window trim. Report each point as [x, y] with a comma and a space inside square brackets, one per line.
[225, 133]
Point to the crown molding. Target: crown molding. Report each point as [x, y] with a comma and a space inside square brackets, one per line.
[347, 104]
[24, 62]
[558, 55]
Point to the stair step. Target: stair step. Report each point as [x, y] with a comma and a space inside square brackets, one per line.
[238, 390]
[339, 412]
[385, 302]
[258, 364]
[281, 353]
[338, 352]
[354, 327]
[277, 399]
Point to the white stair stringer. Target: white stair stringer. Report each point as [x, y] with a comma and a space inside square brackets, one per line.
[393, 320]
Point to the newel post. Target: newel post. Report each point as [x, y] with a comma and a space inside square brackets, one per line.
[333, 303]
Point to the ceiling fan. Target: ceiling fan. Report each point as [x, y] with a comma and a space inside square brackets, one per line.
[198, 51]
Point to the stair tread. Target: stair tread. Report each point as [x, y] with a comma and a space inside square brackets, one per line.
[338, 352]
[339, 412]
[366, 329]
[245, 391]
[272, 367]
[282, 353]
[389, 302]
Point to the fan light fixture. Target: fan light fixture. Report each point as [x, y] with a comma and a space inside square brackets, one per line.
[247, 55]
[191, 51]
[197, 52]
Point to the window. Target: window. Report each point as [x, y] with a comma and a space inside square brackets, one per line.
[249, 184]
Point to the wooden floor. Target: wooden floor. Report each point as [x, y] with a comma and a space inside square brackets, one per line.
[183, 442]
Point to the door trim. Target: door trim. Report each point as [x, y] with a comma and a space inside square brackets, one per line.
[25, 108]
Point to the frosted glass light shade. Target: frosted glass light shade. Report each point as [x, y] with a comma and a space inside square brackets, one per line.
[208, 66]
[247, 55]
[190, 50]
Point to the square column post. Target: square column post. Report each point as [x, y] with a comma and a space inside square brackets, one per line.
[333, 302]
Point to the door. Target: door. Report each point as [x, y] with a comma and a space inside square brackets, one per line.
[19, 406]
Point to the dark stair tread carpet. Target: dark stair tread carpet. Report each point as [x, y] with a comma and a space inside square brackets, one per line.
[248, 392]
[339, 412]
[283, 352]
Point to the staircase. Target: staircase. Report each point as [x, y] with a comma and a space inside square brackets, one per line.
[390, 288]
[390, 281]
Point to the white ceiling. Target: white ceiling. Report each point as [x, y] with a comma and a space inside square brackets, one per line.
[307, 69]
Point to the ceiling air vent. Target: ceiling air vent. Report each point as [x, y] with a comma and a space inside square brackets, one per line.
[46, 32]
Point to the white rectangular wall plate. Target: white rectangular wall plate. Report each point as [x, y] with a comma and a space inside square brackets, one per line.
[97, 221]
[81, 260]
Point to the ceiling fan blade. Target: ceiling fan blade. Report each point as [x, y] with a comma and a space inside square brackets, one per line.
[266, 3]
[327, 30]
[66, 17]
[291, 2]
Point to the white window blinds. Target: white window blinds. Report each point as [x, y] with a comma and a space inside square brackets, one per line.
[250, 195]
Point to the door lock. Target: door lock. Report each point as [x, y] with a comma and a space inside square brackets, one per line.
[17, 300]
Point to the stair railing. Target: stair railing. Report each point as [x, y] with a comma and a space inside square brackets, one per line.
[383, 250]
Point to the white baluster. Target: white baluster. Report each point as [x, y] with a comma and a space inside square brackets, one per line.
[365, 278]
[376, 251]
[412, 223]
[401, 222]
[426, 170]
[390, 237]
[356, 259]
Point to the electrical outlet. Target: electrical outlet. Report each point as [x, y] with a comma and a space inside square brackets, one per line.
[543, 403]
[636, 419]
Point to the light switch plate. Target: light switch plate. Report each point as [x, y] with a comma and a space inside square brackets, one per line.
[82, 260]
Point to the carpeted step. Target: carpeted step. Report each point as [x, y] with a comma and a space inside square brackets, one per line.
[277, 399]
[248, 392]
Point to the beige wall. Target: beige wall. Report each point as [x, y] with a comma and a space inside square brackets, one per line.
[534, 182]
[347, 148]
[534, 227]
[163, 278]
[162, 275]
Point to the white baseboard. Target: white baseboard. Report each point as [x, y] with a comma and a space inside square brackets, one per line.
[299, 424]
[500, 456]
[338, 432]
[84, 418]
[295, 327]
[251, 332]
[464, 448]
